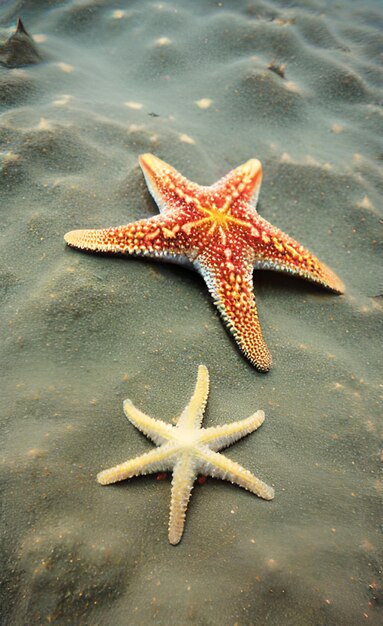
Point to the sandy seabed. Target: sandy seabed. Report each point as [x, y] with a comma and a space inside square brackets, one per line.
[205, 86]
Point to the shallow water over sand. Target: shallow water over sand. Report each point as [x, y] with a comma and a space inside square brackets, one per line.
[204, 86]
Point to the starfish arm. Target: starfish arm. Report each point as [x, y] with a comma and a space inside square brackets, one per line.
[192, 416]
[157, 430]
[164, 182]
[157, 460]
[242, 183]
[232, 292]
[219, 466]
[182, 485]
[158, 236]
[280, 252]
[219, 437]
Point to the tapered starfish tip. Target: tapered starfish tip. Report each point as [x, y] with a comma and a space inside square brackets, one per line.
[269, 494]
[249, 176]
[244, 181]
[251, 169]
[337, 284]
[259, 418]
[330, 280]
[100, 479]
[126, 405]
[85, 239]
[261, 357]
[150, 164]
[71, 237]
[203, 372]
[174, 540]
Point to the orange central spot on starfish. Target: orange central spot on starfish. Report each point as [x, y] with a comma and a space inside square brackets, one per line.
[215, 218]
[218, 230]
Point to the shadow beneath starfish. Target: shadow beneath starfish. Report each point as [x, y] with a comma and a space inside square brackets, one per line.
[280, 281]
[165, 267]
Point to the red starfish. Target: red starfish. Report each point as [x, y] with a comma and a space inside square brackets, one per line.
[219, 232]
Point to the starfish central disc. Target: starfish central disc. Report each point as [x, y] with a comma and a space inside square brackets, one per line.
[217, 230]
[217, 217]
[221, 217]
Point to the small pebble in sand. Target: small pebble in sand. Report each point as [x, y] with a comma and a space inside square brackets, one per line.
[131, 104]
[118, 14]
[162, 41]
[39, 38]
[63, 100]
[365, 203]
[65, 67]
[337, 128]
[204, 103]
[286, 158]
[186, 139]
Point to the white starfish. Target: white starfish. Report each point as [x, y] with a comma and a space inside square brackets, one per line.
[188, 449]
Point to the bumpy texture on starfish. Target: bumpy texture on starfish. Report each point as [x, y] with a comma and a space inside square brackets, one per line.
[219, 232]
[188, 449]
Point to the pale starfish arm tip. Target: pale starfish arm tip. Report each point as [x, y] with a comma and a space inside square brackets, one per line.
[102, 478]
[147, 158]
[90, 239]
[244, 181]
[174, 536]
[203, 370]
[253, 166]
[192, 415]
[151, 164]
[128, 405]
[202, 385]
[320, 273]
[71, 237]
[332, 280]
[269, 492]
[259, 417]
[157, 460]
[220, 466]
[260, 357]
[157, 430]
[255, 420]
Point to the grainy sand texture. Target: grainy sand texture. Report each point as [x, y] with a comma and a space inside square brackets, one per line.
[85, 88]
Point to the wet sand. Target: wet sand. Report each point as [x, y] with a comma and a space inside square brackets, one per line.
[204, 86]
